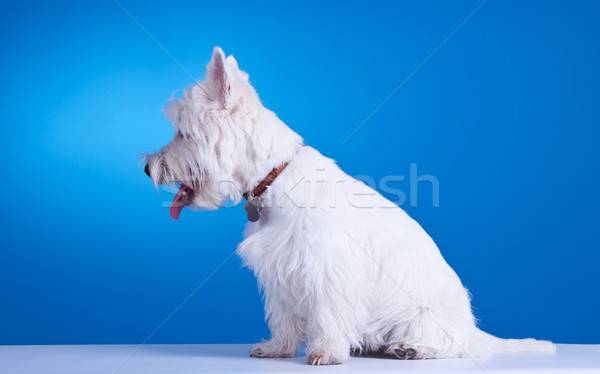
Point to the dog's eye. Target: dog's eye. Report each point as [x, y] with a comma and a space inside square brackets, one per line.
[179, 134]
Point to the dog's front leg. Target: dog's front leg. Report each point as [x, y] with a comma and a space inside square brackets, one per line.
[286, 331]
[328, 342]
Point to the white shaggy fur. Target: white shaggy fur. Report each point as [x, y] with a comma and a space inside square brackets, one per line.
[341, 267]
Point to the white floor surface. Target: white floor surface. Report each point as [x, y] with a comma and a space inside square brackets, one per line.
[233, 358]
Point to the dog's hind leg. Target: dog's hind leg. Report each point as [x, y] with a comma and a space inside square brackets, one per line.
[432, 335]
[407, 352]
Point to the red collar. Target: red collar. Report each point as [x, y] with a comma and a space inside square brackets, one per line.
[262, 186]
[255, 206]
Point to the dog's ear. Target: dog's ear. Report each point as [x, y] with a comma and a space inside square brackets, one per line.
[235, 68]
[218, 77]
[232, 61]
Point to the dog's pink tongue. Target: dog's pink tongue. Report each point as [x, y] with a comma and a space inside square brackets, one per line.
[179, 201]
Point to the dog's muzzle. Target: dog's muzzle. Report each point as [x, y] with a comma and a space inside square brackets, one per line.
[147, 170]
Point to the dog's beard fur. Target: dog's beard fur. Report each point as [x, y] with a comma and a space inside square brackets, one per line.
[336, 274]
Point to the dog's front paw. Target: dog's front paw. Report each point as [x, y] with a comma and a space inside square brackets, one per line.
[270, 349]
[321, 357]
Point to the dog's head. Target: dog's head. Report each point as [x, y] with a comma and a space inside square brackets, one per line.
[225, 141]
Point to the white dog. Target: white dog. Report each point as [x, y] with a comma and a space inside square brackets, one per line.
[342, 268]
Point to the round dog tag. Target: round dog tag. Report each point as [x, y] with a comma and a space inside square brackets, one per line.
[254, 208]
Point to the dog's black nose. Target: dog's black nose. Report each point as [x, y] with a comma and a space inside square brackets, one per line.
[147, 170]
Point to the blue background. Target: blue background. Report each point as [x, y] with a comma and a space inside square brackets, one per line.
[505, 115]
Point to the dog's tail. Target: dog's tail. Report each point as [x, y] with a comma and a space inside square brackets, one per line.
[497, 345]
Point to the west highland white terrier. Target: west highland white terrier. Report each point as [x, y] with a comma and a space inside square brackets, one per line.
[342, 269]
